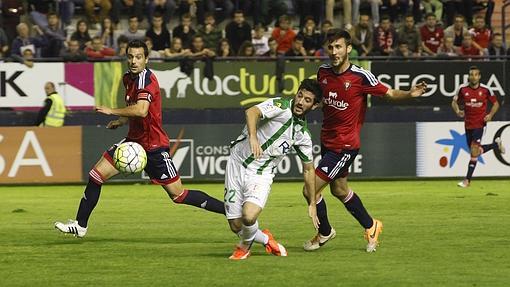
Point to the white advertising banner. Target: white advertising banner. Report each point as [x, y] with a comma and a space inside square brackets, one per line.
[22, 87]
[442, 150]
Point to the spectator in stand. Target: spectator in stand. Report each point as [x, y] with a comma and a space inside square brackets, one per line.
[39, 10]
[385, 38]
[312, 39]
[128, 7]
[73, 52]
[227, 7]
[458, 30]
[323, 51]
[496, 47]
[98, 50]
[132, 33]
[447, 49]
[362, 36]
[238, 31]
[4, 43]
[468, 49]
[184, 31]
[122, 43]
[195, 8]
[374, 8]
[395, 8]
[159, 34]
[108, 33]
[326, 25]
[284, 34]
[24, 41]
[409, 34]
[224, 49]
[198, 50]
[431, 35]
[259, 41]
[488, 5]
[402, 50]
[54, 36]
[209, 32]
[481, 34]
[104, 8]
[273, 48]
[433, 6]
[297, 49]
[82, 34]
[264, 11]
[166, 8]
[452, 8]
[66, 10]
[246, 50]
[26, 58]
[176, 49]
[154, 56]
[314, 9]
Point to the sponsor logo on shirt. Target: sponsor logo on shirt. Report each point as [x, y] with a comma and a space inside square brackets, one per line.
[332, 101]
[474, 104]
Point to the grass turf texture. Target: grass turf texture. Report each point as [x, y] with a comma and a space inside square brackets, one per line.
[434, 234]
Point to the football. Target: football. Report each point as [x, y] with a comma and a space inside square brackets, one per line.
[130, 157]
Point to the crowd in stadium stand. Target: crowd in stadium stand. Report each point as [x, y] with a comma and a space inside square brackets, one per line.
[78, 30]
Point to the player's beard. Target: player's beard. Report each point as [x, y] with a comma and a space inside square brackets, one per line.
[340, 63]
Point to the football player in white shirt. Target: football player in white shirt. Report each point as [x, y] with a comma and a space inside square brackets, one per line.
[273, 127]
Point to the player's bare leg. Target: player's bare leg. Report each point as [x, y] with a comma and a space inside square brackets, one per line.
[102, 171]
[373, 227]
[196, 198]
[325, 232]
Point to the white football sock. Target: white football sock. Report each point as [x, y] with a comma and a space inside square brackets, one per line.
[261, 237]
[248, 233]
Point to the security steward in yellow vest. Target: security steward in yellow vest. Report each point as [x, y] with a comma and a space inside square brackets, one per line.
[54, 110]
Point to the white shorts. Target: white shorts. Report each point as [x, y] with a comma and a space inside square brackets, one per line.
[241, 187]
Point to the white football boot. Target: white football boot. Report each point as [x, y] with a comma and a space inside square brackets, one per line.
[71, 227]
[318, 240]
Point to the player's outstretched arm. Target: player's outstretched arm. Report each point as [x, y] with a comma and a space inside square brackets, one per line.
[414, 92]
[140, 109]
[309, 192]
[494, 109]
[253, 116]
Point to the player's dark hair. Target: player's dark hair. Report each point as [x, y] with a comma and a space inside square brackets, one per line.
[312, 86]
[430, 14]
[474, 68]
[336, 33]
[138, 44]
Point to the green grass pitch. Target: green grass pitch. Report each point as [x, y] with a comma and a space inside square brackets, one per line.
[435, 234]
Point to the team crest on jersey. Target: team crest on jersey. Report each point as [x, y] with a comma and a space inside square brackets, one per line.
[347, 85]
[480, 93]
[325, 81]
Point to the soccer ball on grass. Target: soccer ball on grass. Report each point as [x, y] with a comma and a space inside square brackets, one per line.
[130, 157]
